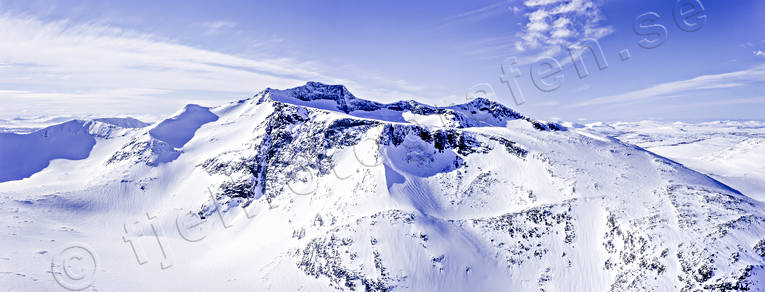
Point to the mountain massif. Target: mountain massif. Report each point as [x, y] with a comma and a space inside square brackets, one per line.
[314, 189]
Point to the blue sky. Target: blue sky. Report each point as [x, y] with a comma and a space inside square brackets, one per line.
[152, 57]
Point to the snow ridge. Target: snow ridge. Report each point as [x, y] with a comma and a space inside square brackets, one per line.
[475, 113]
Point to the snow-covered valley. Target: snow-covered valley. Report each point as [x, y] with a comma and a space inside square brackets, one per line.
[314, 189]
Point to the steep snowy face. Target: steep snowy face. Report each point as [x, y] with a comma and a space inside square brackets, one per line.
[22, 155]
[163, 142]
[179, 130]
[314, 189]
[318, 95]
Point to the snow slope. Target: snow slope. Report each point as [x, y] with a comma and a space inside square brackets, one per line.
[178, 130]
[730, 151]
[25, 154]
[313, 189]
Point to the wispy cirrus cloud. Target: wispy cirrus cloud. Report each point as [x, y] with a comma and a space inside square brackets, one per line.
[212, 27]
[478, 14]
[732, 101]
[734, 79]
[61, 66]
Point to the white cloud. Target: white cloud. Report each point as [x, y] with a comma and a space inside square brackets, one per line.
[547, 28]
[716, 81]
[65, 66]
[562, 22]
[759, 53]
[584, 7]
[534, 3]
[555, 24]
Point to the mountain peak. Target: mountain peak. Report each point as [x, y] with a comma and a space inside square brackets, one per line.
[474, 113]
[331, 97]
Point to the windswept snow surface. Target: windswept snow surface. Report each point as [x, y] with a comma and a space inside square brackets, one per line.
[22, 155]
[312, 189]
[178, 130]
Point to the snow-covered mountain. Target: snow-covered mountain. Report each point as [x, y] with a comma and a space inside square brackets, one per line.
[313, 189]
